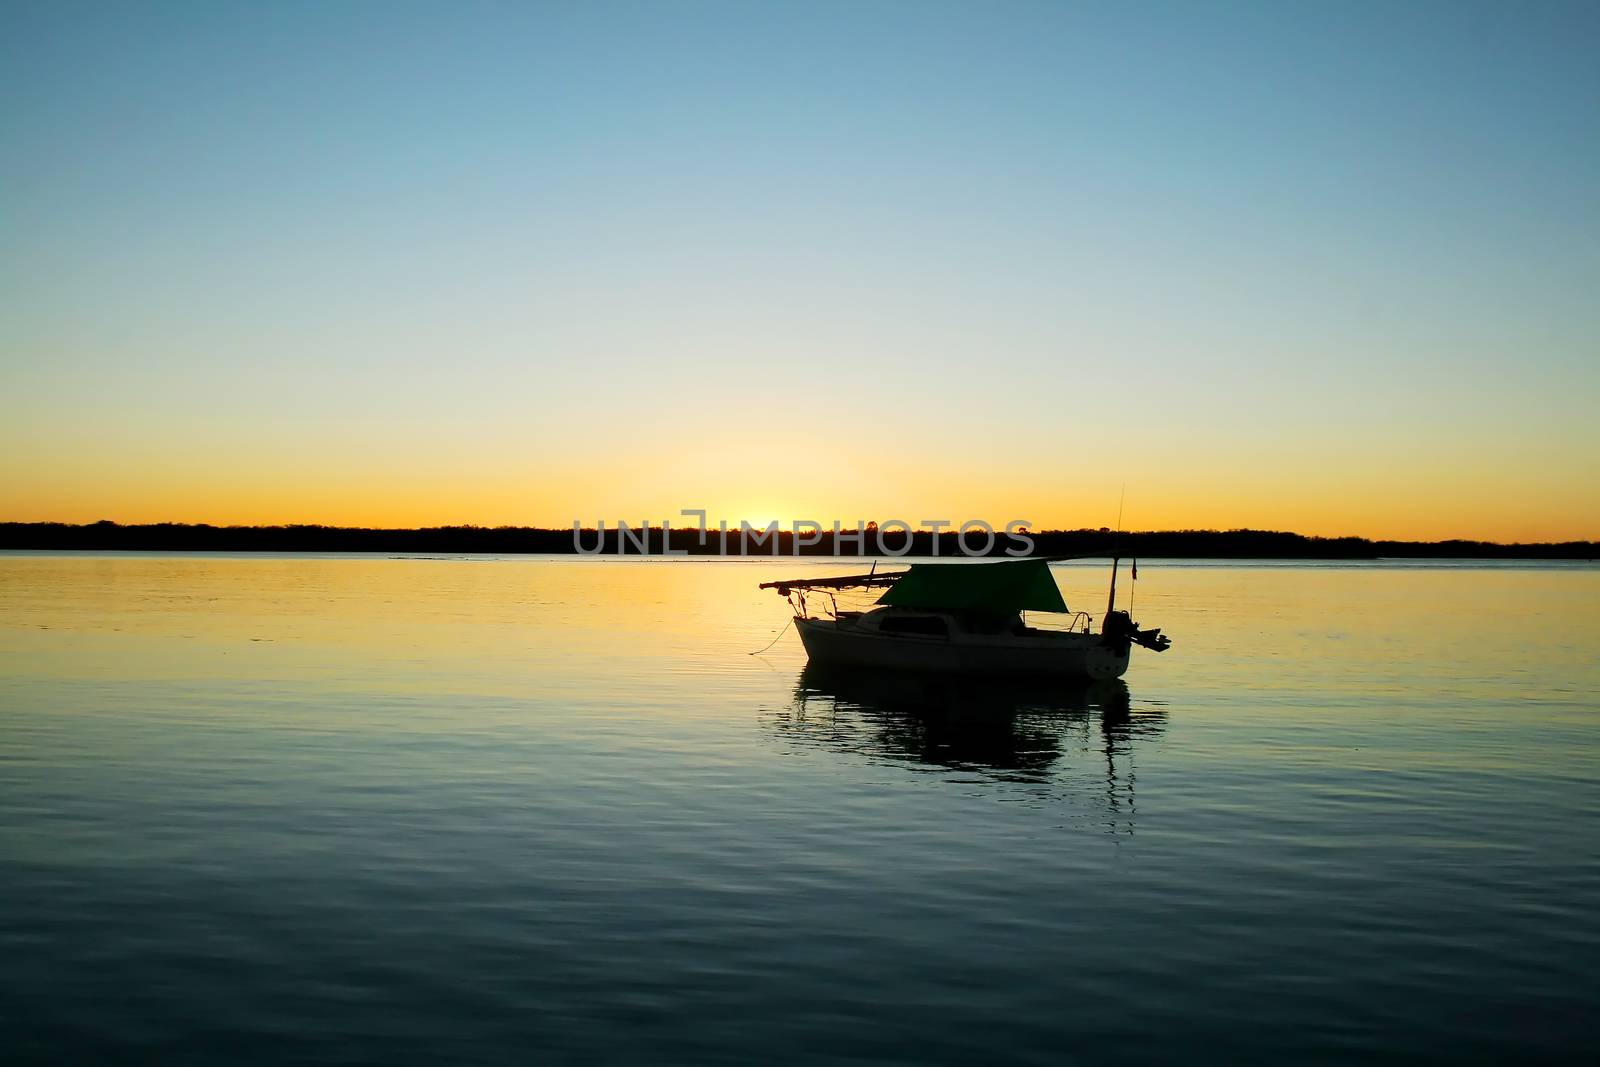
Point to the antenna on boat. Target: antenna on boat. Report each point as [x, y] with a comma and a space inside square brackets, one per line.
[1111, 601]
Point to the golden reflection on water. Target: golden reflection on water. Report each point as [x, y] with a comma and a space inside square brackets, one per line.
[1516, 634]
[1277, 653]
[499, 623]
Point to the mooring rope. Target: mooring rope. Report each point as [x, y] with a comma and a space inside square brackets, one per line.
[775, 640]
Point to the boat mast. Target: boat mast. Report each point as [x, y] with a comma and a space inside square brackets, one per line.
[1111, 601]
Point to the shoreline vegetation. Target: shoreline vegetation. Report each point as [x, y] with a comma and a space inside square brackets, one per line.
[1171, 544]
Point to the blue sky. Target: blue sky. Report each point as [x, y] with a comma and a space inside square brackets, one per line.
[1324, 266]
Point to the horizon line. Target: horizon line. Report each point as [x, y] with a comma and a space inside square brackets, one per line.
[784, 530]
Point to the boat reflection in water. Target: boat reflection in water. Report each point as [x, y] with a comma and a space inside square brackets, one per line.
[1069, 740]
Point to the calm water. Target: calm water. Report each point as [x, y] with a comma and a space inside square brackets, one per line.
[357, 810]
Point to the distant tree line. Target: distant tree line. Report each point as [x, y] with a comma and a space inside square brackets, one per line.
[1172, 544]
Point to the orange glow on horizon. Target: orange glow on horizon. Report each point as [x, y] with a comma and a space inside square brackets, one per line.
[1374, 491]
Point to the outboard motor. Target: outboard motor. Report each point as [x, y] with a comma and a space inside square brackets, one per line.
[1120, 630]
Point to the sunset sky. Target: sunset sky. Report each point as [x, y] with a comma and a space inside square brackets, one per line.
[1327, 267]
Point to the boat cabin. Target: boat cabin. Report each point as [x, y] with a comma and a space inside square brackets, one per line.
[897, 620]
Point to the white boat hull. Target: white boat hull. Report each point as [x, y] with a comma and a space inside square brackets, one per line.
[1073, 655]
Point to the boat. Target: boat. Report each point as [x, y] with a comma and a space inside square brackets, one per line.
[963, 619]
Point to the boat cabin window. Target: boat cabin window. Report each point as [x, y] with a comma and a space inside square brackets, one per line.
[931, 625]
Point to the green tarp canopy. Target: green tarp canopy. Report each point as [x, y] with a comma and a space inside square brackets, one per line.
[1001, 588]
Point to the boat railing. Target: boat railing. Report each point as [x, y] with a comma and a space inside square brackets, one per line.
[1074, 622]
